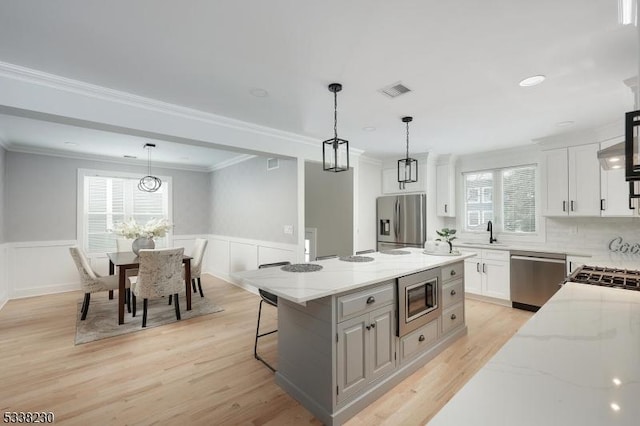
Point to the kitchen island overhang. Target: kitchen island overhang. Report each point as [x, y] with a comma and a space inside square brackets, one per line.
[338, 343]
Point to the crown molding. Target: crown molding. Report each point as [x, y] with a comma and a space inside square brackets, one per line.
[231, 162]
[17, 72]
[25, 149]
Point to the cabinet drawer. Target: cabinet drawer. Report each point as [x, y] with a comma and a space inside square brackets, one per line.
[418, 341]
[365, 300]
[452, 293]
[495, 255]
[452, 317]
[452, 272]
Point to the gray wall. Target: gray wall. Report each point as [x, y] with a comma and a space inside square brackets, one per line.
[247, 201]
[3, 180]
[329, 208]
[41, 196]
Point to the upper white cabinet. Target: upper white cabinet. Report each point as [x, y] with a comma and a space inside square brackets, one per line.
[572, 181]
[614, 190]
[390, 184]
[445, 189]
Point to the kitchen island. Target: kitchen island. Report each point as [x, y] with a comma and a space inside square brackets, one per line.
[575, 362]
[339, 346]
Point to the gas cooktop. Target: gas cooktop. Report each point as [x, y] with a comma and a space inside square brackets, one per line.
[609, 277]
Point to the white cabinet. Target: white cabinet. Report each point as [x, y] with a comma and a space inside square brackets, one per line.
[572, 181]
[488, 274]
[366, 343]
[445, 190]
[614, 191]
[390, 184]
[574, 262]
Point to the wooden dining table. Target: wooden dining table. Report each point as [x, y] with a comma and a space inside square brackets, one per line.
[130, 260]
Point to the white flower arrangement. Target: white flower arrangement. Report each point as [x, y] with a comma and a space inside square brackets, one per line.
[153, 228]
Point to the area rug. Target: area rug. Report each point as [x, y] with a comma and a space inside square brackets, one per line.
[102, 319]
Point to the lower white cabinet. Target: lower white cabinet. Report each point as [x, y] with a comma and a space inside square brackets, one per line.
[488, 274]
[366, 349]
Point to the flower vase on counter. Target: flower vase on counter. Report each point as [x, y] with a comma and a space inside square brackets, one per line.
[142, 243]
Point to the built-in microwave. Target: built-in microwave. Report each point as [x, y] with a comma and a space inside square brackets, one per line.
[418, 300]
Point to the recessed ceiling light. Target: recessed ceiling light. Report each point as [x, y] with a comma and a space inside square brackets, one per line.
[259, 93]
[565, 124]
[617, 381]
[369, 129]
[615, 407]
[532, 81]
[71, 143]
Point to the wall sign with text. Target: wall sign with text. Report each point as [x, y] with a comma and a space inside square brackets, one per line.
[618, 245]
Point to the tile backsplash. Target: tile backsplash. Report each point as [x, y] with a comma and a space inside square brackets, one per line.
[591, 235]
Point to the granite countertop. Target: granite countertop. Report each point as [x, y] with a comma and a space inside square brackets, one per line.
[575, 362]
[338, 276]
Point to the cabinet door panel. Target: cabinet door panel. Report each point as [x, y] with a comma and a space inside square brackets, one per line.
[382, 342]
[556, 182]
[614, 190]
[352, 341]
[473, 278]
[497, 279]
[584, 180]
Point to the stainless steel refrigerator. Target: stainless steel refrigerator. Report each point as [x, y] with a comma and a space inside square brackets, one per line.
[402, 221]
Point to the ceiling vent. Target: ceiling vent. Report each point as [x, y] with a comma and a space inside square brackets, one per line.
[395, 90]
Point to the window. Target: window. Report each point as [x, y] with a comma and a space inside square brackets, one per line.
[507, 197]
[108, 200]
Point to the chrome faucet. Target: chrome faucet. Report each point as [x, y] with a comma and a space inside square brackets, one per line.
[490, 230]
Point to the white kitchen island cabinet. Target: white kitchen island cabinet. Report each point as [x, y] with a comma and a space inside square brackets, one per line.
[338, 343]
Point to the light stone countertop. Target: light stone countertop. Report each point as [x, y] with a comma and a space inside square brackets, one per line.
[575, 362]
[537, 247]
[338, 276]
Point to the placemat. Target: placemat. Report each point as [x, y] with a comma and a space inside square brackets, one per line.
[356, 259]
[302, 267]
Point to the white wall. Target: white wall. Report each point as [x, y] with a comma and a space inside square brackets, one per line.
[249, 201]
[329, 208]
[369, 178]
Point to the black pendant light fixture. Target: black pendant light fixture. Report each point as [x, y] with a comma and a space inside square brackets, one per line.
[335, 151]
[407, 167]
[149, 183]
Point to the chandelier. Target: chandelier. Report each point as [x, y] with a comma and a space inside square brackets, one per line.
[149, 183]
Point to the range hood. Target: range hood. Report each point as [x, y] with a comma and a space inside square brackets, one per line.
[612, 158]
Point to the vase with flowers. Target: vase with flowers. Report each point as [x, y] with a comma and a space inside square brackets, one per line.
[142, 235]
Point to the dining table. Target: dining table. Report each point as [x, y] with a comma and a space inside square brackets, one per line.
[129, 260]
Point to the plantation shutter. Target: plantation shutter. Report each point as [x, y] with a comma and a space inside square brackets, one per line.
[519, 199]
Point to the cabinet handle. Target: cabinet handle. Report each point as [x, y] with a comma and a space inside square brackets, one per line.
[445, 208]
[453, 272]
[373, 325]
[453, 316]
[572, 209]
[631, 207]
[477, 267]
[602, 204]
[484, 268]
[564, 206]
[371, 300]
[421, 338]
[453, 292]
[368, 327]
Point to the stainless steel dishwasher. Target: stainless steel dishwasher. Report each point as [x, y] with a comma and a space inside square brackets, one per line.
[535, 277]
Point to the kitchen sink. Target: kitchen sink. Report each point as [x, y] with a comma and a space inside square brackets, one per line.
[475, 243]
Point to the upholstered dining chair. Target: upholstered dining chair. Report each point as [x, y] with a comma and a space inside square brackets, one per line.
[270, 299]
[159, 274]
[329, 256]
[90, 281]
[196, 263]
[365, 252]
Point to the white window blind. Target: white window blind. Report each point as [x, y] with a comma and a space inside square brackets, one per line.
[111, 200]
[507, 197]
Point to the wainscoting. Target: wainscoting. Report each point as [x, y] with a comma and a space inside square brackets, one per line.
[36, 268]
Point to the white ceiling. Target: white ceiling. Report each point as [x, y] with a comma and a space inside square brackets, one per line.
[461, 59]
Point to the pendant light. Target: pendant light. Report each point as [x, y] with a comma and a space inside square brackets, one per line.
[407, 167]
[149, 183]
[335, 151]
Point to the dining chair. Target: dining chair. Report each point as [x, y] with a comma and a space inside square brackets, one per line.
[365, 251]
[270, 299]
[329, 256]
[90, 281]
[196, 263]
[159, 274]
[123, 245]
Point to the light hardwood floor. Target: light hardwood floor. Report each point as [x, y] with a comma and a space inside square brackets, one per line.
[202, 371]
